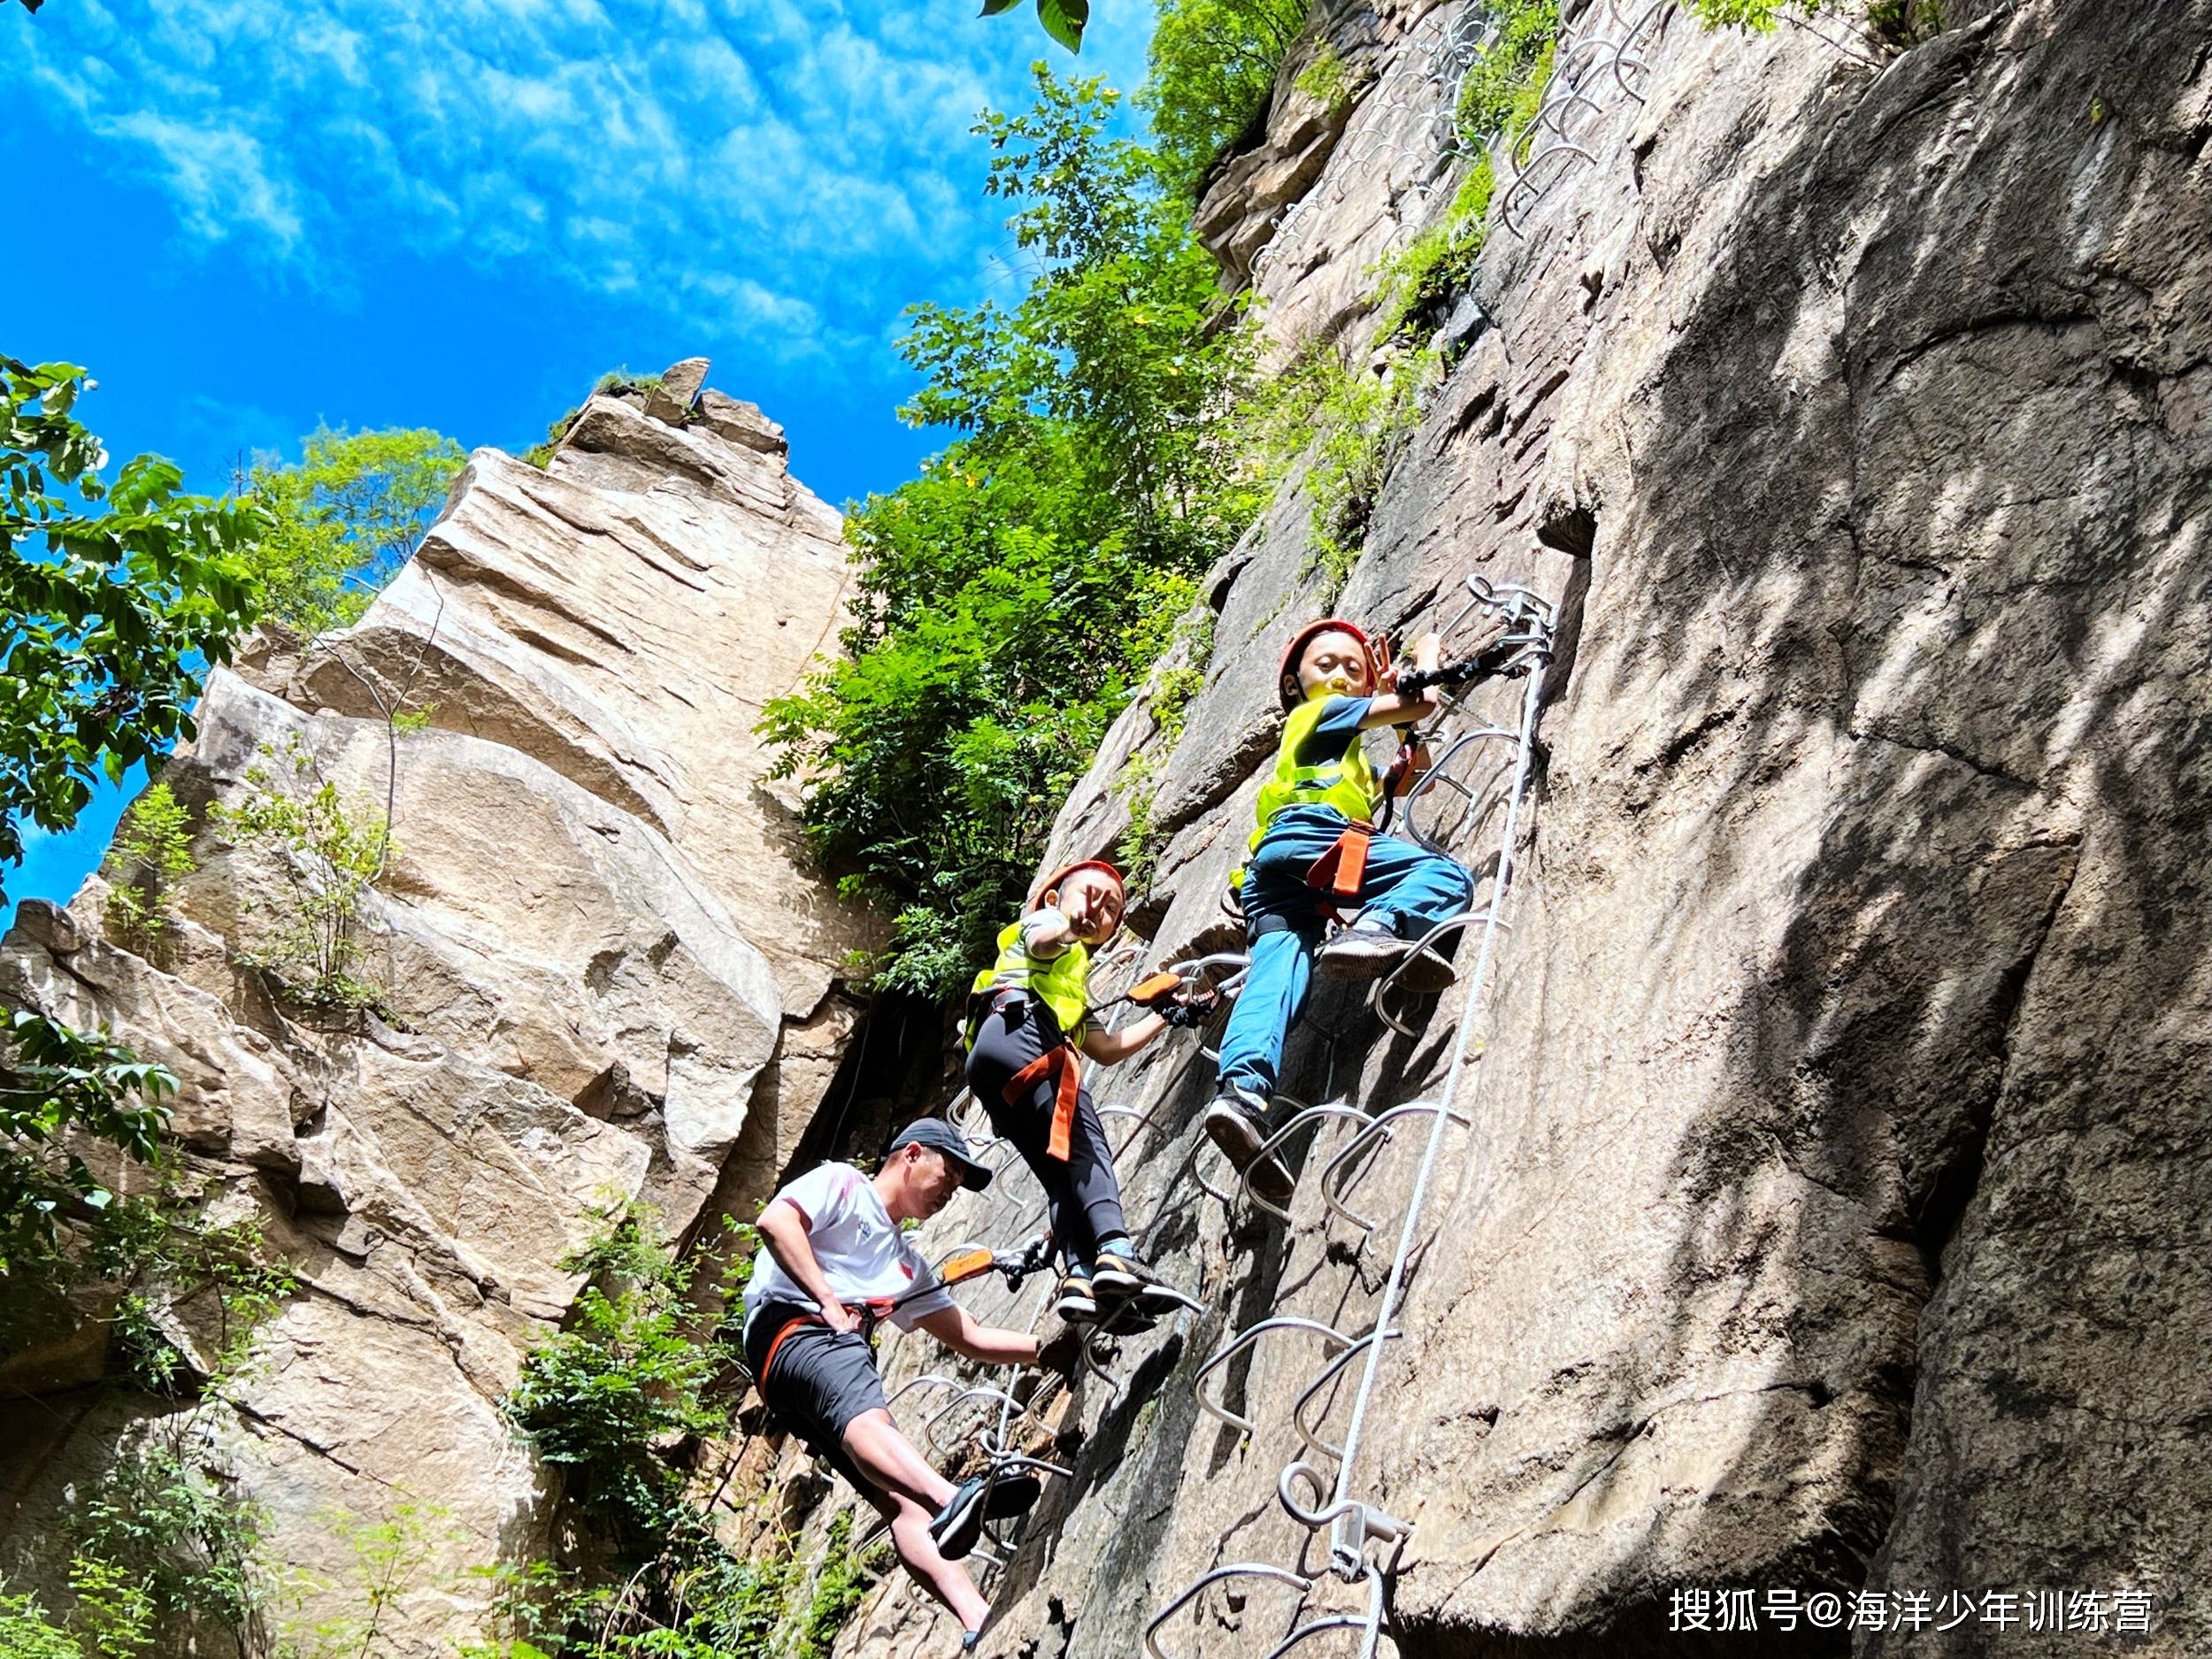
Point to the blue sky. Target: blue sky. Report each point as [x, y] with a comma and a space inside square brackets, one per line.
[264, 214]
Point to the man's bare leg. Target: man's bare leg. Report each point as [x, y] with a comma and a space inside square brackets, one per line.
[889, 1458]
[947, 1580]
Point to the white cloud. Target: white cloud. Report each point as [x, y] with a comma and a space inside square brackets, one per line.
[797, 171]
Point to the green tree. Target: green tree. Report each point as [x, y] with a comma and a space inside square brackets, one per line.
[106, 628]
[112, 600]
[1017, 590]
[24, 1630]
[605, 1397]
[345, 517]
[330, 854]
[1210, 71]
[152, 848]
[56, 1080]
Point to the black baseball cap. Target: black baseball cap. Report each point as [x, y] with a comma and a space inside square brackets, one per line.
[940, 1136]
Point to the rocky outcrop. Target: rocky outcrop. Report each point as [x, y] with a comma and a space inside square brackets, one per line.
[602, 972]
[1829, 1218]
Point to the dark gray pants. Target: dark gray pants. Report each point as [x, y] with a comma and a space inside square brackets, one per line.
[1083, 1198]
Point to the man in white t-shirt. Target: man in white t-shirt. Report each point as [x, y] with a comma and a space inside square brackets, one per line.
[835, 1258]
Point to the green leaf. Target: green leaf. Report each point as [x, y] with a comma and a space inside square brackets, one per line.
[994, 8]
[1063, 21]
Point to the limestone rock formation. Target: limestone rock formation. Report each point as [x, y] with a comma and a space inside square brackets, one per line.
[593, 931]
[1830, 1220]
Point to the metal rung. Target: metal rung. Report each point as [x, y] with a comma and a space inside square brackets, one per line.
[1426, 945]
[1305, 1432]
[1213, 1408]
[1007, 1405]
[1022, 1460]
[1106, 1330]
[1297, 1581]
[1332, 1185]
[1232, 966]
[1309, 1117]
[929, 1380]
[1202, 1141]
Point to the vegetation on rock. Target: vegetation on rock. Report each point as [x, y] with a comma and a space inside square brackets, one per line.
[163, 1549]
[344, 519]
[1210, 73]
[1900, 22]
[329, 853]
[152, 848]
[614, 383]
[618, 1399]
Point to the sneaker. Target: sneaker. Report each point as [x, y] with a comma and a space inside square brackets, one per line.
[1429, 972]
[1116, 1278]
[956, 1528]
[1078, 1300]
[1369, 948]
[969, 1640]
[1234, 1124]
[1011, 1495]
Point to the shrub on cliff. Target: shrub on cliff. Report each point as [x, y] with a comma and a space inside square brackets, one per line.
[1210, 71]
[1016, 592]
[344, 519]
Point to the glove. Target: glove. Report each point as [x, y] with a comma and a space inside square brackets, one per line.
[1189, 1016]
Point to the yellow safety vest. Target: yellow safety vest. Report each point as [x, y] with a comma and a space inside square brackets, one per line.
[1348, 783]
[1061, 984]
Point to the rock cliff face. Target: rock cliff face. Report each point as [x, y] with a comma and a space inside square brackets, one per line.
[602, 974]
[1831, 1217]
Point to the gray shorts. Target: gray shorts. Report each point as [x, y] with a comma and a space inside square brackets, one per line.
[820, 1381]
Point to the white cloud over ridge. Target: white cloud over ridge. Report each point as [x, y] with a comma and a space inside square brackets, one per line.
[790, 173]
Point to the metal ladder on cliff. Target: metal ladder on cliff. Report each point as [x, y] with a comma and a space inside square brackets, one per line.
[1365, 1542]
[1599, 53]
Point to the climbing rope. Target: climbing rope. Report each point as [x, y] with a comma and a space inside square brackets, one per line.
[1307, 1495]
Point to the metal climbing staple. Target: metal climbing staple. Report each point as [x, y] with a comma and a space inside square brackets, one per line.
[1600, 54]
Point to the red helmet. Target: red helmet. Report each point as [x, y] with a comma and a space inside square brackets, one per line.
[1287, 687]
[1065, 871]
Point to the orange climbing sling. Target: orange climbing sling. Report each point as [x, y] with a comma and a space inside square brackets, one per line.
[1059, 1063]
[1339, 871]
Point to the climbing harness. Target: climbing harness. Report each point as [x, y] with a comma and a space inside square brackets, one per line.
[1365, 1542]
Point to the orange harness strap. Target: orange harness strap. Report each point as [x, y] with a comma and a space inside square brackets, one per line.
[1339, 871]
[789, 1325]
[1060, 1065]
[877, 1310]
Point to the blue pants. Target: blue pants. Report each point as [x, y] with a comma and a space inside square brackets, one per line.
[1411, 888]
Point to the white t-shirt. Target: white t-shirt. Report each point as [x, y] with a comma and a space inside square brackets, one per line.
[863, 1253]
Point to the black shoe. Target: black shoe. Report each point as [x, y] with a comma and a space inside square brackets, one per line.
[1115, 1278]
[1011, 1495]
[1369, 948]
[1078, 1300]
[956, 1527]
[1234, 1124]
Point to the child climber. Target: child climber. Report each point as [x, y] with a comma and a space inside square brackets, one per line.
[1315, 854]
[1028, 1017]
